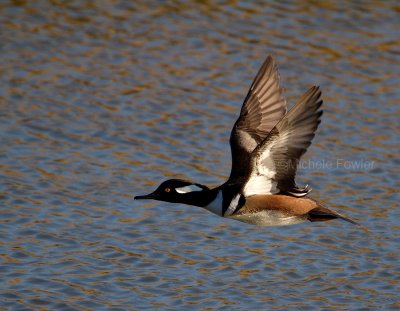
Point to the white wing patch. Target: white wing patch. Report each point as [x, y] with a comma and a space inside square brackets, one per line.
[188, 189]
[259, 184]
[261, 180]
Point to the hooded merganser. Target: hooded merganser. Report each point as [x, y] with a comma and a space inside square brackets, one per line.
[267, 143]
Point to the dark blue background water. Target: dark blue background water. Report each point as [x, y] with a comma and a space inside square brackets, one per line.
[102, 100]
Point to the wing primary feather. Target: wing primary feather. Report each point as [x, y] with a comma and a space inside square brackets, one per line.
[263, 107]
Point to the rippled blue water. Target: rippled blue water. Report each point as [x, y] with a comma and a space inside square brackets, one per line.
[102, 101]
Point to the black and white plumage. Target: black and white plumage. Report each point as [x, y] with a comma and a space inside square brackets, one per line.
[267, 143]
[273, 163]
[263, 107]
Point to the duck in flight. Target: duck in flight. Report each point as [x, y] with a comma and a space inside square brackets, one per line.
[267, 143]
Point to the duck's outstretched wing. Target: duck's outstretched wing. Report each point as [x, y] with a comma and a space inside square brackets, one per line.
[263, 107]
[274, 162]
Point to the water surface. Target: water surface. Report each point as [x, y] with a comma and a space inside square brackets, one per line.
[102, 101]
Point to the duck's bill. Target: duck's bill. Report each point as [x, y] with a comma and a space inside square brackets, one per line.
[145, 197]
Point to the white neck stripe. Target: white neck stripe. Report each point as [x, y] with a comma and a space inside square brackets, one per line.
[215, 205]
[233, 205]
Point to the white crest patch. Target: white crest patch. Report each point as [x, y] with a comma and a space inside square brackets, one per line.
[188, 189]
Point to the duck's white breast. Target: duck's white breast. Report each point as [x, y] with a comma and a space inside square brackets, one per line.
[268, 218]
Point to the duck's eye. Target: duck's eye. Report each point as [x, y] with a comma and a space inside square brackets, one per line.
[167, 189]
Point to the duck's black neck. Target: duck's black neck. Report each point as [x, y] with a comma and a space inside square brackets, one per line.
[199, 198]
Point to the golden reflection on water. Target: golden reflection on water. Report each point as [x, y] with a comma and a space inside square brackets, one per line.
[104, 100]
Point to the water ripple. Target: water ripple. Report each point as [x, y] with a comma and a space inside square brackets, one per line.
[102, 101]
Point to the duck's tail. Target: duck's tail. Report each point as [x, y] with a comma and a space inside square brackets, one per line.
[322, 213]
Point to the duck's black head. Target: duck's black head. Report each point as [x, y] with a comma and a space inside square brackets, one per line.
[174, 191]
